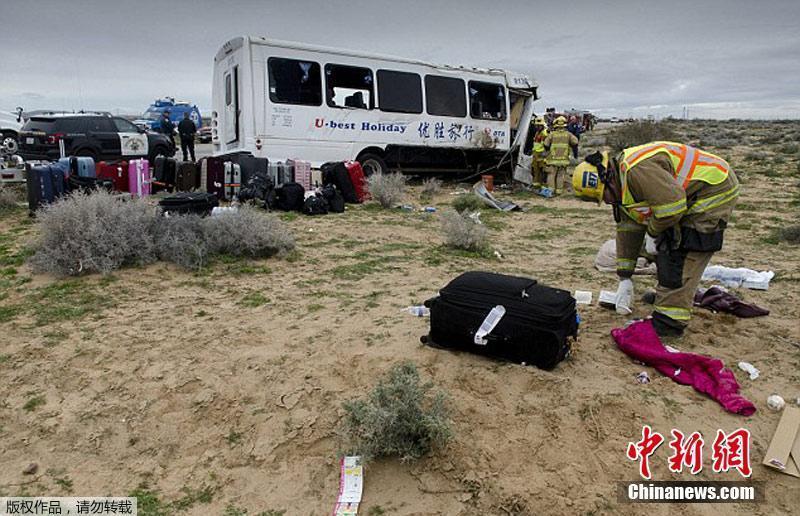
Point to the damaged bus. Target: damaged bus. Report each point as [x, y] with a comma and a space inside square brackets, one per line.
[284, 100]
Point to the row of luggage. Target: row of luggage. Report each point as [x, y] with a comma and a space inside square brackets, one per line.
[47, 182]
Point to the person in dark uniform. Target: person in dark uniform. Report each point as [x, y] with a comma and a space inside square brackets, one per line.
[187, 131]
[167, 127]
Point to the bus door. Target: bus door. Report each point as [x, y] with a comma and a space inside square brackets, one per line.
[232, 111]
[522, 168]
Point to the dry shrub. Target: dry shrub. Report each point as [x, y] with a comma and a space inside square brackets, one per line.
[467, 202]
[181, 240]
[86, 233]
[388, 189]
[637, 133]
[430, 188]
[401, 417]
[790, 234]
[8, 199]
[248, 233]
[461, 232]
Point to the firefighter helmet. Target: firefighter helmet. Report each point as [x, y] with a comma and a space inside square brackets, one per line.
[560, 122]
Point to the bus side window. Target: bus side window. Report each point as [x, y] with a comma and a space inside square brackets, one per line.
[445, 96]
[399, 92]
[349, 86]
[487, 101]
[292, 81]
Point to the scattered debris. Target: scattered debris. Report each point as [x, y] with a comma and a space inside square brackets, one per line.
[583, 297]
[741, 277]
[486, 196]
[643, 377]
[776, 403]
[30, 469]
[351, 486]
[783, 453]
[750, 369]
[419, 310]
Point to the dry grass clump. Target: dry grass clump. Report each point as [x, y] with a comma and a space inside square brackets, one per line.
[637, 133]
[467, 202]
[430, 188]
[86, 233]
[401, 417]
[388, 189]
[461, 232]
[8, 199]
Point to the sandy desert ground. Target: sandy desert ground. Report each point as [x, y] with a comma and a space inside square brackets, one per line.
[221, 392]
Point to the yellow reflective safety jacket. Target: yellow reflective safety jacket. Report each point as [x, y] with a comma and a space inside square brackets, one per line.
[688, 164]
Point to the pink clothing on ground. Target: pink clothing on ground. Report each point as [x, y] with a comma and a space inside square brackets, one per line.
[707, 375]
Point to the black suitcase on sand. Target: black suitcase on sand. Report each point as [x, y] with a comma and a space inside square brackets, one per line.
[335, 173]
[185, 203]
[535, 328]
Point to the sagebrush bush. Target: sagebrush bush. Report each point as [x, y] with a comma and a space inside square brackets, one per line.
[430, 187]
[461, 232]
[637, 133]
[181, 239]
[86, 233]
[467, 202]
[388, 189]
[790, 234]
[401, 417]
[247, 232]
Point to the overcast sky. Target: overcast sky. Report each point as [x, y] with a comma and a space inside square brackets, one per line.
[721, 58]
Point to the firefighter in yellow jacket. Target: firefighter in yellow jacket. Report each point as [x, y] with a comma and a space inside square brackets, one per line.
[558, 144]
[540, 132]
[676, 198]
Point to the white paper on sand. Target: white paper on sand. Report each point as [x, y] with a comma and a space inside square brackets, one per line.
[740, 277]
[351, 486]
[583, 297]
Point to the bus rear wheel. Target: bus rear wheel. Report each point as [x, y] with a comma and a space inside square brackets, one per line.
[372, 164]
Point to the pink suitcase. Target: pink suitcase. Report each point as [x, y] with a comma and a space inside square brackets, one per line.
[302, 172]
[139, 177]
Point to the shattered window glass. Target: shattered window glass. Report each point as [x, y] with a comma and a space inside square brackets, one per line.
[294, 82]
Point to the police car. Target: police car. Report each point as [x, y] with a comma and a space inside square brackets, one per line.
[100, 136]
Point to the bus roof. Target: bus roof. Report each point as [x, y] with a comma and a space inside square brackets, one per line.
[513, 79]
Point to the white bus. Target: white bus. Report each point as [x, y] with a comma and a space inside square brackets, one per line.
[284, 100]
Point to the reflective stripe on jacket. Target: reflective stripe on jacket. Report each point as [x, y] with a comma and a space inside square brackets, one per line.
[559, 148]
[688, 164]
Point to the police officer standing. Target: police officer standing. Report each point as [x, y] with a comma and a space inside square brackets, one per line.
[167, 127]
[187, 130]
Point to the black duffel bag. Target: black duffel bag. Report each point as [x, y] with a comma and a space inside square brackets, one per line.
[535, 329]
[290, 197]
[184, 203]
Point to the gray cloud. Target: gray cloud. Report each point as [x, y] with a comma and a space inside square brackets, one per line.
[720, 58]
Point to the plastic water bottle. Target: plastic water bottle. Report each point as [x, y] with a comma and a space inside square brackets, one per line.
[429, 209]
[418, 311]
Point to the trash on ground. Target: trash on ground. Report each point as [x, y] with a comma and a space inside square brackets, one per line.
[741, 277]
[750, 369]
[545, 192]
[480, 190]
[429, 209]
[776, 403]
[717, 299]
[707, 375]
[607, 299]
[583, 297]
[499, 255]
[643, 377]
[418, 311]
[476, 217]
[219, 210]
[783, 453]
[351, 486]
[606, 260]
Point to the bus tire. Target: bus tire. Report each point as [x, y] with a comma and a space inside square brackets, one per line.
[372, 164]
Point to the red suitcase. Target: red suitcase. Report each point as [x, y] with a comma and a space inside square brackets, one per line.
[357, 178]
[116, 172]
